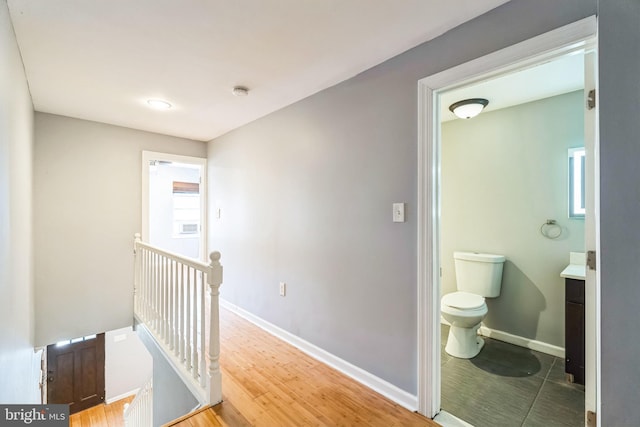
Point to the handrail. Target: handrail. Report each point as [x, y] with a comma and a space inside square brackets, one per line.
[191, 262]
[176, 299]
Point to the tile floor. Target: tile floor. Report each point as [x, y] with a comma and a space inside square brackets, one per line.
[506, 385]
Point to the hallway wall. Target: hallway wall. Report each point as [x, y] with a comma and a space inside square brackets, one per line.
[20, 366]
[127, 365]
[87, 196]
[306, 198]
[171, 397]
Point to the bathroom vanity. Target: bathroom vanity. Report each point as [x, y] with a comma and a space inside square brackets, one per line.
[574, 278]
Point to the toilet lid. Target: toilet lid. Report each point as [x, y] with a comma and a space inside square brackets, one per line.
[463, 300]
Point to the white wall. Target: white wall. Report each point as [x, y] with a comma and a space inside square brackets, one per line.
[19, 364]
[128, 365]
[87, 199]
[504, 173]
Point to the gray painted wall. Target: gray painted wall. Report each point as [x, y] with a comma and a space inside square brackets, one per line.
[306, 196]
[127, 365]
[87, 196]
[171, 398]
[20, 366]
[619, 62]
[503, 174]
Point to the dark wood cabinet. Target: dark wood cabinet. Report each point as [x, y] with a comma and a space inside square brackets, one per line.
[574, 330]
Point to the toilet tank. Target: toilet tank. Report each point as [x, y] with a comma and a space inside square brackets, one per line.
[479, 274]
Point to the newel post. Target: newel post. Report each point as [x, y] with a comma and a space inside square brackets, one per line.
[214, 280]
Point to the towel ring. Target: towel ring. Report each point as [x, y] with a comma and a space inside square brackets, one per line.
[551, 229]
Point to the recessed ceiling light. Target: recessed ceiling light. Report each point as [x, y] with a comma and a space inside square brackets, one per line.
[240, 91]
[158, 104]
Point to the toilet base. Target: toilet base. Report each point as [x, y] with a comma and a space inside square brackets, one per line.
[464, 343]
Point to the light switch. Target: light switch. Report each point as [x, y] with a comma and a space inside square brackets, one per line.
[398, 212]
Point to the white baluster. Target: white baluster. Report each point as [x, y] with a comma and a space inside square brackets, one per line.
[149, 294]
[165, 302]
[160, 289]
[201, 293]
[167, 288]
[143, 287]
[174, 308]
[154, 290]
[158, 296]
[183, 312]
[188, 321]
[194, 323]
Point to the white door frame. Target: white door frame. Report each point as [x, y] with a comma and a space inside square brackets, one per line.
[575, 37]
[147, 156]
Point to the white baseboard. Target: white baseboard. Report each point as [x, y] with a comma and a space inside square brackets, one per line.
[540, 346]
[401, 397]
[133, 392]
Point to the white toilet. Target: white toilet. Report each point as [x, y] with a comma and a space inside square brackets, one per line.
[478, 276]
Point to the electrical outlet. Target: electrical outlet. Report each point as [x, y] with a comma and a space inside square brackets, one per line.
[283, 289]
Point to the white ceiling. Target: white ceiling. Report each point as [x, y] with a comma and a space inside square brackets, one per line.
[102, 59]
[562, 75]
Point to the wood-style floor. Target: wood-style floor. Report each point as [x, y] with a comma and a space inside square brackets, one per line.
[101, 415]
[267, 382]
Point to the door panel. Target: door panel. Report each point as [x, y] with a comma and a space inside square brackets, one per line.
[76, 373]
[64, 378]
[591, 239]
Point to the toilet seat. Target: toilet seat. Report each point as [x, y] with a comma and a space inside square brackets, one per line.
[463, 301]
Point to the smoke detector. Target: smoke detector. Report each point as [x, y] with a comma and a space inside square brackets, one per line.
[240, 91]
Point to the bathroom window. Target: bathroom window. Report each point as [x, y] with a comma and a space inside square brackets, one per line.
[576, 182]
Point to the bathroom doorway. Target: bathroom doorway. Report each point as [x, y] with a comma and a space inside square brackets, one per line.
[574, 43]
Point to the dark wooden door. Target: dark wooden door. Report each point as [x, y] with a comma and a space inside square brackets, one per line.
[75, 373]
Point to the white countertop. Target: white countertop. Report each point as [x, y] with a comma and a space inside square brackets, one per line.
[577, 268]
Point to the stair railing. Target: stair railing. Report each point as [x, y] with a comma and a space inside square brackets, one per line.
[176, 299]
[139, 413]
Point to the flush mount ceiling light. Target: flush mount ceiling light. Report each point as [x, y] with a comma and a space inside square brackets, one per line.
[240, 91]
[158, 104]
[468, 108]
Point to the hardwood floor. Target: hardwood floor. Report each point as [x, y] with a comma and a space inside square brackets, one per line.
[267, 382]
[101, 415]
